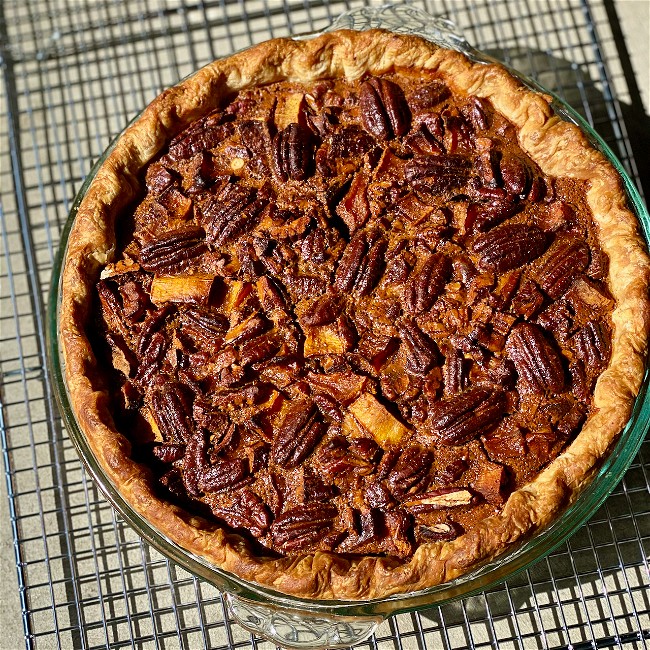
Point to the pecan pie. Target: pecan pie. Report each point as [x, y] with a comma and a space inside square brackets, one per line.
[349, 316]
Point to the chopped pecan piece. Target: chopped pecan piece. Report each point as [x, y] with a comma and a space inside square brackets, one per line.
[490, 484]
[323, 310]
[385, 428]
[290, 109]
[181, 288]
[354, 208]
[168, 453]
[344, 387]
[370, 525]
[537, 361]
[505, 442]
[466, 416]
[334, 338]
[135, 300]
[439, 499]
[442, 532]
[247, 329]
[428, 96]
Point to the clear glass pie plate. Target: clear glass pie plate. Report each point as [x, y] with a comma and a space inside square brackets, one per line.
[296, 622]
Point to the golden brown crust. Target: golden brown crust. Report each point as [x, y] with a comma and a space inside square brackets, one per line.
[557, 147]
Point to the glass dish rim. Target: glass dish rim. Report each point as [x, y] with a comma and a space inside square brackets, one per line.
[506, 566]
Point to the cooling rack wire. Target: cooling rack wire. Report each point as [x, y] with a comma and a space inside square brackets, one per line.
[74, 72]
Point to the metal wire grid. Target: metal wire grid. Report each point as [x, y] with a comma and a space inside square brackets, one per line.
[73, 74]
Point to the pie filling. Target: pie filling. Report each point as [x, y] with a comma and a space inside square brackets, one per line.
[352, 316]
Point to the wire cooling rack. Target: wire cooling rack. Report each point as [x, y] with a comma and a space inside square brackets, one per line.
[74, 72]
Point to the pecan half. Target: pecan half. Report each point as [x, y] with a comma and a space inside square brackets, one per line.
[421, 350]
[151, 358]
[411, 472]
[226, 215]
[303, 527]
[349, 142]
[593, 346]
[293, 153]
[514, 173]
[426, 282]
[168, 453]
[297, 434]
[203, 134]
[175, 250]
[427, 97]
[350, 263]
[475, 111]
[536, 359]
[438, 172]
[461, 418]
[171, 412]
[246, 511]
[323, 310]
[112, 312]
[223, 474]
[509, 246]
[342, 457]
[483, 216]
[203, 326]
[454, 371]
[564, 264]
[360, 266]
[384, 111]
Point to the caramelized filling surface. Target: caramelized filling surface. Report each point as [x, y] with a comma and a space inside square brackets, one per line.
[352, 316]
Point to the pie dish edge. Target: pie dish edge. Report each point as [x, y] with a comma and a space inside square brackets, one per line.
[559, 148]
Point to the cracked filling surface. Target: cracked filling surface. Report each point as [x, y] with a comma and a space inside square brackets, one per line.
[352, 316]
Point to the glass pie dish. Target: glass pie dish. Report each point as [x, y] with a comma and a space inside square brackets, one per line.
[296, 622]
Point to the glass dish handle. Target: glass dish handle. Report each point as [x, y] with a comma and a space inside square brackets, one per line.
[405, 19]
[293, 628]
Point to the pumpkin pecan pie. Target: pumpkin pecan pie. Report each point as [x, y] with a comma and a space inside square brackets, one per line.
[349, 316]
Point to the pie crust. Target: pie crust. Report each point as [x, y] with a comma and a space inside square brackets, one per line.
[558, 148]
